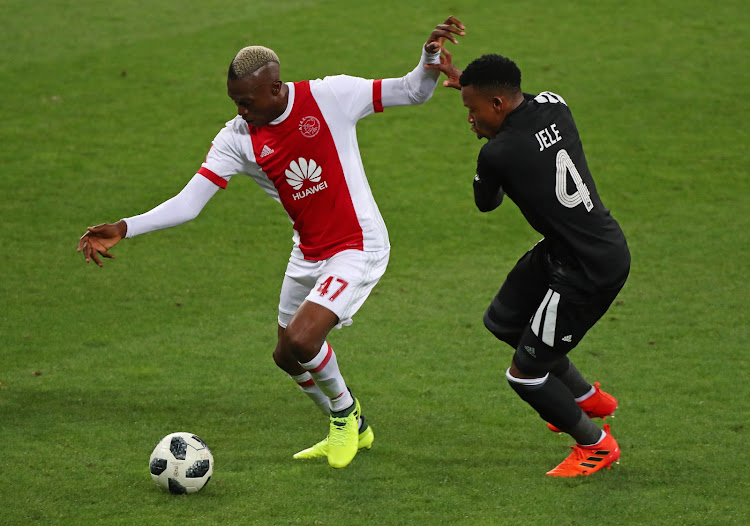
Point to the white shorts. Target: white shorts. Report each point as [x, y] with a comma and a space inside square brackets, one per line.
[340, 283]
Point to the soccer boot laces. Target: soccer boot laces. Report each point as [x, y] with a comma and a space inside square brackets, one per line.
[586, 460]
[598, 405]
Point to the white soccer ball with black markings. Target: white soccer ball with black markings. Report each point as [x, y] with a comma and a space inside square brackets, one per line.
[181, 463]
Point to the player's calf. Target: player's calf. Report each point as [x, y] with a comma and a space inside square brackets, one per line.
[549, 397]
[598, 404]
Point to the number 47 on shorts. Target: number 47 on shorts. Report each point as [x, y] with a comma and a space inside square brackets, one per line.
[325, 287]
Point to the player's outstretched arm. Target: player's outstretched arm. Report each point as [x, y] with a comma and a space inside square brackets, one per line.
[417, 86]
[183, 207]
[99, 239]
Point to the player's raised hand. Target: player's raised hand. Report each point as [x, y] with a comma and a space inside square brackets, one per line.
[447, 67]
[448, 30]
[99, 239]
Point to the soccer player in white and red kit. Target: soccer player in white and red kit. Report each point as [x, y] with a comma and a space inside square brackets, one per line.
[298, 141]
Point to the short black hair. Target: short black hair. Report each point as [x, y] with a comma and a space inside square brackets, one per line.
[492, 71]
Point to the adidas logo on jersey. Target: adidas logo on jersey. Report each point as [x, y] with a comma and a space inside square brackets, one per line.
[568, 338]
[530, 350]
[265, 151]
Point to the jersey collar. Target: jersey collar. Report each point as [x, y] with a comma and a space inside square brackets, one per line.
[290, 104]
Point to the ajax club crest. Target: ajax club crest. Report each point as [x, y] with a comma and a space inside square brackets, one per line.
[309, 126]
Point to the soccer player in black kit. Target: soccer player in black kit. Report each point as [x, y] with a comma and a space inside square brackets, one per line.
[567, 281]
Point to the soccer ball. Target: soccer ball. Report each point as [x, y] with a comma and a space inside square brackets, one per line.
[181, 463]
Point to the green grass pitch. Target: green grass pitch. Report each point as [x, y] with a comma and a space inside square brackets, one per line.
[108, 108]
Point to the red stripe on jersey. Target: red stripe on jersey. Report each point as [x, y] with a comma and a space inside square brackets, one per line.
[325, 360]
[377, 95]
[302, 161]
[208, 174]
[307, 383]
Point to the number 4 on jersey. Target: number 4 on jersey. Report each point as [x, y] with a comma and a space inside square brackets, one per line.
[581, 195]
[323, 289]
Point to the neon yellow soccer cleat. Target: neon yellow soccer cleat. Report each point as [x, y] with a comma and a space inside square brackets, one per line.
[320, 449]
[343, 436]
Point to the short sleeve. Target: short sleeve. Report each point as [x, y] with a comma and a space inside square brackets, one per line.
[224, 159]
[356, 97]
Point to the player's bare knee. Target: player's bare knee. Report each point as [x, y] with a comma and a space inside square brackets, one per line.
[280, 357]
[303, 345]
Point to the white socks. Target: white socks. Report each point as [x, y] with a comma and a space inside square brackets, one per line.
[311, 389]
[324, 370]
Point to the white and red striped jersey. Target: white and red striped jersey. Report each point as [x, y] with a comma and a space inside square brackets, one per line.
[308, 159]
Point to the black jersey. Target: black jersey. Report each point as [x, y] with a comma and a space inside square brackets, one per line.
[537, 160]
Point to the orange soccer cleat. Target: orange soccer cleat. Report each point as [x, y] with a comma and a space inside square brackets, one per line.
[586, 460]
[598, 405]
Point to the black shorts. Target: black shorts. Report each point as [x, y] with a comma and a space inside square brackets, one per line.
[546, 305]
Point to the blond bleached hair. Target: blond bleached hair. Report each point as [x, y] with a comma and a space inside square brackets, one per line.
[250, 59]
